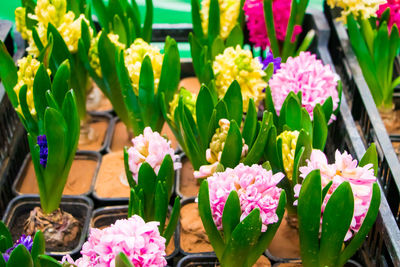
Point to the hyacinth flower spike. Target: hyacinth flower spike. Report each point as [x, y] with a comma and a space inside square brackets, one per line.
[241, 213]
[344, 205]
[288, 46]
[217, 25]
[194, 130]
[150, 170]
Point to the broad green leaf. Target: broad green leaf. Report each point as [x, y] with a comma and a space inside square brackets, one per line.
[41, 84]
[196, 20]
[173, 220]
[121, 260]
[213, 21]
[128, 173]
[8, 74]
[250, 124]
[231, 215]
[234, 102]
[29, 122]
[147, 101]
[327, 107]
[7, 241]
[47, 261]
[147, 181]
[60, 83]
[20, 256]
[320, 128]
[217, 47]
[293, 113]
[119, 29]
[160, 207]
[38, 246]
[269, 22]
[370, 156]
[148, 22]
[235, 38]
[232, 150]
[204, 111]
[166, 173]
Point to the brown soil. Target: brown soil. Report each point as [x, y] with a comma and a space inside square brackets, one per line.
[188, 185]
[190, 83]
[100, 128]
[97, 101]
[123, 138]
[193, 236]
[391, 121]
[78, 182]
[262, 262]
[294, 264]
[396, 146]
[108, 184]
[286, 243]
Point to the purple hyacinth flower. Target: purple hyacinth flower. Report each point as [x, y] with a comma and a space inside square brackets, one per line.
[24, 240]
[43, 152]
[269, 58]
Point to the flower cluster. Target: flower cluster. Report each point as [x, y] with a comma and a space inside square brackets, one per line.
[363, 8]
[307, 74]
[289, 141]
[188, 98]
[394, 17]
[269, 58]
[214, 153]
[134, 56]
[254, 10]
[238, 64]
[152, 148]
[229, 13]
[43, 149]
[94, 60]
[256, 188]
[54, 12]
[27, 68]
[140, 241]
[23, 240]
[344, 169]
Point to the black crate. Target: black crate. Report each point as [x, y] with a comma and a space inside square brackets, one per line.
[382, 247]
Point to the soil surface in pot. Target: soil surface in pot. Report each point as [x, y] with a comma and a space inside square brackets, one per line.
[78, 182]
[293, 264]
[99, 126]
[17, 229]
[286, 242]
[193, 236]
[191, 84]
[111, 172]
[120, 137]
[97, 101]
[391, 121]
[188, 185]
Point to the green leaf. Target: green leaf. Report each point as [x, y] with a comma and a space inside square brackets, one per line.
[208, 221]
[119, 29]
[146, 91]
[7, 242]
[8, 74]
[271, 151]
[269, 22]
[121, 260]
[217, 47]
[222, 110]
[250, 124]
[293, 113]
[147, 181]
[148, 22]
[20, 256]
[370, 156]
[213, 21]
[231, 215]
[196, 20]
[173, 220]
[269, 105]
[232, 150]
[38, 246]
[41, 84]
[327, 107]
[336, 224]
[60, 83]
[320, 128]
[166, 173]
[30, 123]
[60, 50]
[47, 261]
[309, 216]
[204, 113]
[234, 102]
[160, 205]
[235, 37]
[128, 173]
[243, 239]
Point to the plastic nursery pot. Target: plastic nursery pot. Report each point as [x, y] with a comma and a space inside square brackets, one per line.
[79, 206]
[121, 138]
[212, 261]
[100, 124]
[186, 185]
[350, 263]
[193, 237]
[106, 216]
[80, 181]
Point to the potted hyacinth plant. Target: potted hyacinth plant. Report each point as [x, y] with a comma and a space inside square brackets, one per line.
[69, 23]
[128, 242]
[217, 24]
[49, 113]
[241, 209]
[337, 206]
[150, 170]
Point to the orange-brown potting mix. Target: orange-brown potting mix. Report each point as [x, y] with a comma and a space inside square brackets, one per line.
[121, 138]
[97, 101]
[108, 183]
[391, 120]
[188, 185]
[191, 84]
[286, 243]
[100, 128]
[79, 179]
[193, 236]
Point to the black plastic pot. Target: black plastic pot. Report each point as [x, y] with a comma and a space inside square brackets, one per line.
[199, 261]
[87, 155]
[80, 207]
[106, 216]
[382, 247]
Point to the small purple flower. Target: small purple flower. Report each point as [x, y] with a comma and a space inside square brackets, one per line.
[42, 142]
[24, 240]
[269, 58]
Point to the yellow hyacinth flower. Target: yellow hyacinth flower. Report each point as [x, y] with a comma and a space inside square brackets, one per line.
[363, 8]
[134, 56]
[20, 22]
[289, 141]
[27, 68]
[229, 12]
[52, 11]
[238, 64]
[189, 99]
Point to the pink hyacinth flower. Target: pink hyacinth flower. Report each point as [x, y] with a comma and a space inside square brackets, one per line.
[256, 188]
[254, 10]
[394, 17]
[152, 148]
[307, 74]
